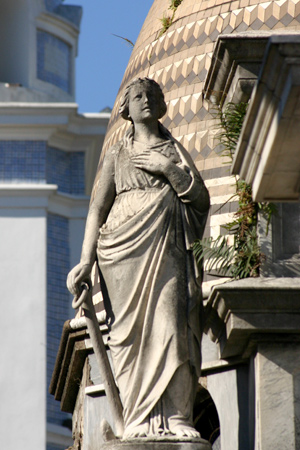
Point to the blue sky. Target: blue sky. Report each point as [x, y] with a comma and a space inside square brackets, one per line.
[102, 57]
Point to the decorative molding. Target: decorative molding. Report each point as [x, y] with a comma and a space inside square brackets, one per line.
[58, 123]
[27, 121]
[35, 195]
[69, 206]
[234, 54]
[96, 389]
[253, 308]
[57, 25]
[75, 346]
[267, 155]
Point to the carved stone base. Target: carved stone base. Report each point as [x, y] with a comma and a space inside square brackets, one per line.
[158, 444]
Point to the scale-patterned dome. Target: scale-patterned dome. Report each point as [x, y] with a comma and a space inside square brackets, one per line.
[179, 60]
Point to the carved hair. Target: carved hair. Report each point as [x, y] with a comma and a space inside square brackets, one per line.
[124, 104]
[124, 108]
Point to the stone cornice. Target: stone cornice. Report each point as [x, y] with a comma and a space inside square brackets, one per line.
[33, 120]
[57, 122]
[46, 196]
[265, 67]
[241, 310]
[75, 345]
[19, 196]
[70, 206]
[233, 52]
[24, 189]
[267, 155]
[63, 28]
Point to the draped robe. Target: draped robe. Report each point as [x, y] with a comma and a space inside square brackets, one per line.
[150, 282]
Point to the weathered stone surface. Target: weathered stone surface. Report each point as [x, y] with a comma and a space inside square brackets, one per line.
[231, 408]
[277, 381]
[281, 245]
[158, 444]
[257, 321]
[150, 205]
[235, 66]
[267, 155]
[240, 310]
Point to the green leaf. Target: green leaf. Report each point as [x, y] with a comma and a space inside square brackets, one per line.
[243, 258]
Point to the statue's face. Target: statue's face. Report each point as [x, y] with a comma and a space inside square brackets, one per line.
[143, 104]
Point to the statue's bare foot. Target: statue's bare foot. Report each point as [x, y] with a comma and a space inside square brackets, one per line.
[185, 430]
[137, 432]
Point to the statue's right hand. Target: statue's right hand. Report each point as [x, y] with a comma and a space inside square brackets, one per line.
[78, 275]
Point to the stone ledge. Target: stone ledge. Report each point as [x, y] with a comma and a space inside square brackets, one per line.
[75, 346]
[254, 308]
[267, 154]
[236, 60]
[158, 444]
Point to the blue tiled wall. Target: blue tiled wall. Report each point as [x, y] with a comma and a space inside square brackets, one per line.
[23, 161]
[34, 162]
[58, 266]
[71, 13]
[54, 61]
[52, 4]
[66, 170]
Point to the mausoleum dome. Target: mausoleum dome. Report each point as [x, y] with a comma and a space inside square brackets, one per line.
[179, 59]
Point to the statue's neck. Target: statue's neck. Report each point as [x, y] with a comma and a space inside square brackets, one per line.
[147, 133]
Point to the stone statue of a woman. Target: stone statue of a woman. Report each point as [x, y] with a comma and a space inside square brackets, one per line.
[149, 207]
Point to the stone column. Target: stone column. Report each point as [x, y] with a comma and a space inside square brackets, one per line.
[277, 392]
[257, 320]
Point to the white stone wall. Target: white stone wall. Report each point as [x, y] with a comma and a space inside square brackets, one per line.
[23, 300]
[32, 137]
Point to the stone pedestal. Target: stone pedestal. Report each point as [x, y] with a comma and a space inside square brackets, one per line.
[77, 384]
[158, 444]
[257, 321]
[278, 395]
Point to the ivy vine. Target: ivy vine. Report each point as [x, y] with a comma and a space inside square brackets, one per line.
[237, 254]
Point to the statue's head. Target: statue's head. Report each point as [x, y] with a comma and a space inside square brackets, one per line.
[151, 86]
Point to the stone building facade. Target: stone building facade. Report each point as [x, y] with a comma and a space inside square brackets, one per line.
[47, 153]
[213, 52]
